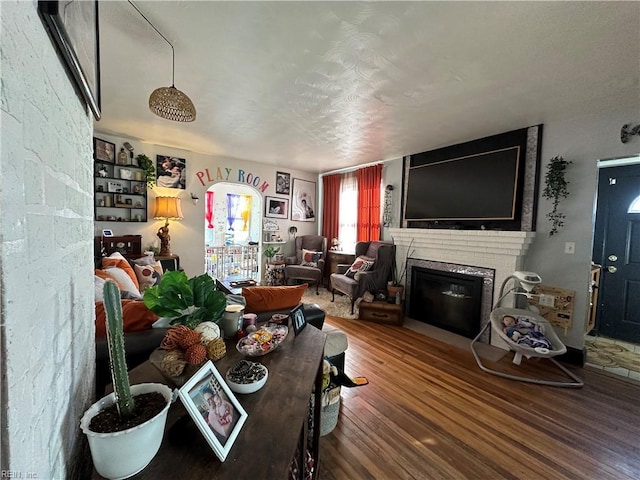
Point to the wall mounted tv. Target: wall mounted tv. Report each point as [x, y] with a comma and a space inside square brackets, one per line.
[473, 185]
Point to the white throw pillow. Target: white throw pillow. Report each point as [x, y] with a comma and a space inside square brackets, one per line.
[123, 278]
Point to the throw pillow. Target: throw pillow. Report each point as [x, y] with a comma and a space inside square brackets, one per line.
[135, 316]
[148, 275]
[361, 264]
[98, 285]
[122, 278]
[265, 299]
[117, 260]
[310, 258]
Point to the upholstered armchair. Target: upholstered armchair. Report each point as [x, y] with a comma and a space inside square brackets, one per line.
[308, 264]
[380, 257]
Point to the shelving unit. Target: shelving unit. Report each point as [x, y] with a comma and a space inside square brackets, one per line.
[120, 192]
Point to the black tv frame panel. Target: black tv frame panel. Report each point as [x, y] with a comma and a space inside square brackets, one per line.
[525, 144]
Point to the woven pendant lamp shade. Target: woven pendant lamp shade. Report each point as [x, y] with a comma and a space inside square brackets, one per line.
[172, 104]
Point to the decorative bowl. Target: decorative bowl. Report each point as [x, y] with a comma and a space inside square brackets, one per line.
[262, 341]
[247, 377]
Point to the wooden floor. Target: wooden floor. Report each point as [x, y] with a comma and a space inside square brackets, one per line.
[429, 412]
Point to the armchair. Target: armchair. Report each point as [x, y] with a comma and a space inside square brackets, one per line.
[372, 280]
[295, 268]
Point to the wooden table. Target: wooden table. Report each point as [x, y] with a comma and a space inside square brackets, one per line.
[275, 429]
[229, 285]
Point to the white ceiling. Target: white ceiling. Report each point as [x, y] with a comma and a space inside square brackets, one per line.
[324, 85]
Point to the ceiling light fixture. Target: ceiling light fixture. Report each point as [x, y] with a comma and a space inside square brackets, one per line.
[169, 102]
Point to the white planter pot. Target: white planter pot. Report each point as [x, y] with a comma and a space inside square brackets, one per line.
[122, 454]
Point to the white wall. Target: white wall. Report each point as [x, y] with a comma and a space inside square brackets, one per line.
[47, 352]
[582, 139]
[203, 171]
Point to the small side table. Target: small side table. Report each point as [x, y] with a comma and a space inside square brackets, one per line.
[274, 276]
[382, 312]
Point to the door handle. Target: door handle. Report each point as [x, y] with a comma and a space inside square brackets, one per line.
[612, 269]
[612, 258]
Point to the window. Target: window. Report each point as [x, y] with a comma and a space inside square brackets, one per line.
[348, 221]
[635, 206]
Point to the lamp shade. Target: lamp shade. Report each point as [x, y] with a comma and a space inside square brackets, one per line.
[172, 104]
[168, 208]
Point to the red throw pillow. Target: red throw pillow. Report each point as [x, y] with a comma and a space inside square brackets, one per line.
[135, 315]
[265, 299]
[117, 260]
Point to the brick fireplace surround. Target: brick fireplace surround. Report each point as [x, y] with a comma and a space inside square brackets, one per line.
[501, 251]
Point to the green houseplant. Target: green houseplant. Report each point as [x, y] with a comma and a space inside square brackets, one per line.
[146, 164]
[125, 428]
[270, 251]
[555, 188]
[187, 301]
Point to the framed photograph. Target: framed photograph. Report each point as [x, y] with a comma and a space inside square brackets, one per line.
[303, 202]
[283, 183]
[73, 28]
[214, 409]
[276, 207]
[103, 150]
[171, 172]
[298, 319]
[107, 233]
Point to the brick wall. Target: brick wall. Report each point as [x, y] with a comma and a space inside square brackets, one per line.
[47, 349]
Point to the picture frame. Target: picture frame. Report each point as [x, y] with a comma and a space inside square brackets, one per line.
[298, 319]
[283, 183]
[276, 207]
[171, 172]
[219, 422]
[104, 151]
[73, 29]
[303, 201]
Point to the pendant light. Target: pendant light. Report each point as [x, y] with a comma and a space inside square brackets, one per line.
[169, 102]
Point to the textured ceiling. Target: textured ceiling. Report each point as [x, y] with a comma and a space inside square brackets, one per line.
[324, 85]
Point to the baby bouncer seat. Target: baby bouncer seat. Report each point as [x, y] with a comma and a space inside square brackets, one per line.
[526, 333]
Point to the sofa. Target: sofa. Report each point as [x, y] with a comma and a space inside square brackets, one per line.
[141, 339]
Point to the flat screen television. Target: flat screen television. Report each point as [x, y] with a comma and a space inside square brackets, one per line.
[479, 187]
[490, 183]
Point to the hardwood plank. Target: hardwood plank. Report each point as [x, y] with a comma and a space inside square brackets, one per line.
[429, 412]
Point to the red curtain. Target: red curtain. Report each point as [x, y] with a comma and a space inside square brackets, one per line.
[208, 212]
[330, 206]
[369, 180]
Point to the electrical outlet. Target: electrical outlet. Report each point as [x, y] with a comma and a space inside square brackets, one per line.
[547, 300]
[570, 247]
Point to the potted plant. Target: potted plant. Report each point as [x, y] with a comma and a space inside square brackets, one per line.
[125, 428]
[186, 301]
[146, 164]
[555, 188]
[270, 251]
[396, 284]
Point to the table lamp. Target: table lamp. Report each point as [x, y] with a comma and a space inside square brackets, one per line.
[167, 208]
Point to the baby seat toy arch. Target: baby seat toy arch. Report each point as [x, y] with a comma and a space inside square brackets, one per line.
[526, 333]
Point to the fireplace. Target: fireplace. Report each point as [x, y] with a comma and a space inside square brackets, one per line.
[454, 297]
[447, 300]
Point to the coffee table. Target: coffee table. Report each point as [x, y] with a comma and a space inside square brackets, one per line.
[233, 284]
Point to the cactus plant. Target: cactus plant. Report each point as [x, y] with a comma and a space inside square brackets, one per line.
[115, 341]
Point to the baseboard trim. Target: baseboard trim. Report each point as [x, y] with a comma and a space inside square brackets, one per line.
[574, 356]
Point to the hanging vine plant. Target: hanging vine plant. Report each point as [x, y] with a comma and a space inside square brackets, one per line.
[555, 188]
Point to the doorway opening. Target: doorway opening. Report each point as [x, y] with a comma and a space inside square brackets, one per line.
[233, 231]
[614, 342]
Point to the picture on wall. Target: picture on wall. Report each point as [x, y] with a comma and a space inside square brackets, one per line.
[171, 172]
[213, 408]
[283, 183]
[303, 203]
[276, 207]
[104, 151]
[73, 28]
